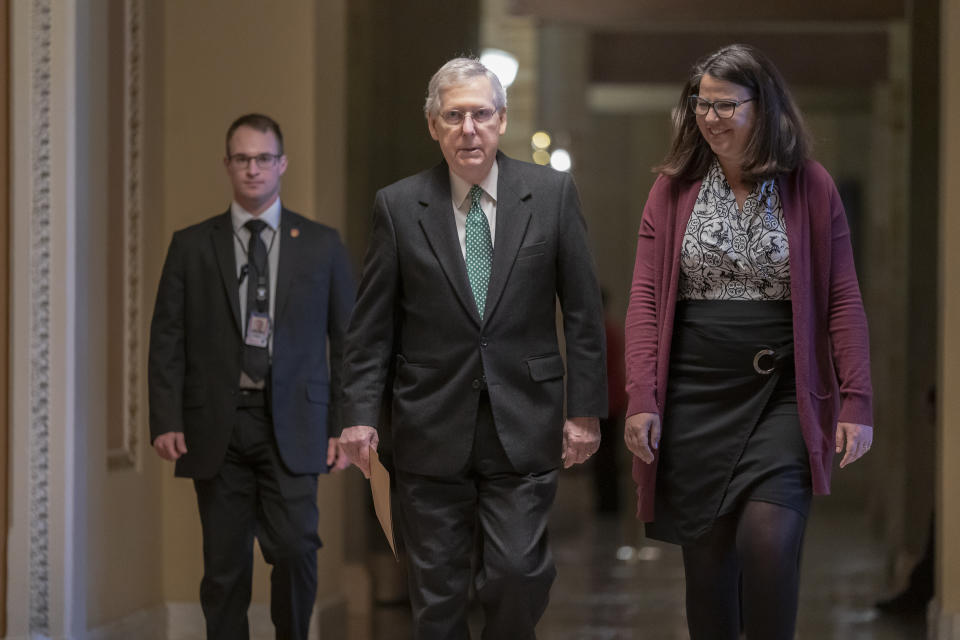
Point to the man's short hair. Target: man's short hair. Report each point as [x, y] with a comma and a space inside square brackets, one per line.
[456, 72]
[259, 122]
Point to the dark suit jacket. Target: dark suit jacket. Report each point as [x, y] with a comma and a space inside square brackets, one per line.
[196, 343]
[415, 307]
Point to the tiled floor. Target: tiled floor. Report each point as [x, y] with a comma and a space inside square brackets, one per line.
[639, 595]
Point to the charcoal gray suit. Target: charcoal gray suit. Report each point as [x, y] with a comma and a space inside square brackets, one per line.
[477, 407]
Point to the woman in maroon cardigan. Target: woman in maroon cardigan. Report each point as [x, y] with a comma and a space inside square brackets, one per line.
[747, 341]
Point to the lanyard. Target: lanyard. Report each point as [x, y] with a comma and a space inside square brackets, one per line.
[246, 265]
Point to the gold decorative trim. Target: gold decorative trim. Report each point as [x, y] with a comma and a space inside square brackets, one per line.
[40, 259]
[126, 456]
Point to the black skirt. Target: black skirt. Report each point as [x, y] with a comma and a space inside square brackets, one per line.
[731, 431]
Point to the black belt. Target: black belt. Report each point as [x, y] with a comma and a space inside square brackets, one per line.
[251, 398]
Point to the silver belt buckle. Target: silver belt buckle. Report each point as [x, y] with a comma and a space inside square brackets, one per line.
[756, 362]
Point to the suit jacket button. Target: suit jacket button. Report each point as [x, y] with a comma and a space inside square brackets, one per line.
[483, 344]
[477, 384]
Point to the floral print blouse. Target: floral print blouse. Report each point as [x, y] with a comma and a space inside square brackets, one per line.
[729, 254]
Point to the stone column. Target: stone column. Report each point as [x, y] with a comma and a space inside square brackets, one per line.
[944, 614]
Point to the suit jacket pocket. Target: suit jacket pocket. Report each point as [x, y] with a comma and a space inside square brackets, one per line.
[318, 392]
[403, 362]
[547, 367]
[532, 250]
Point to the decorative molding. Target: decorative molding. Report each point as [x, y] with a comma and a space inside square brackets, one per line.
[126, 456]
[146, 624]
[40, 326]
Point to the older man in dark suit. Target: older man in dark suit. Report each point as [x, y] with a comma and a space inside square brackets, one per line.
[241, 396]
[458, 293]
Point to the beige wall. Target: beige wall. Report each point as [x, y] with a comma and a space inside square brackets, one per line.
[948, 506]
[4, 301]
[123, 506]
[123, 542]
[222, 59]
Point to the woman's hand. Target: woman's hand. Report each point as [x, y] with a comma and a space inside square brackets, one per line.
[642, 435]
[856, 437]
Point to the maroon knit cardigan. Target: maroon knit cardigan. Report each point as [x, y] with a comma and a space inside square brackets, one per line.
[831, 345]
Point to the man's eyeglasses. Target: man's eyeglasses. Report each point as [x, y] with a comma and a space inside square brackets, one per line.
[723, 108]
[263, 160]
[454, 117]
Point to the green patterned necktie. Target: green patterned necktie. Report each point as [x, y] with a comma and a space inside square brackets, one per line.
[479, 249]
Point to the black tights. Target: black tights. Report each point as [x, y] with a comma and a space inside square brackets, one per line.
[757, 550]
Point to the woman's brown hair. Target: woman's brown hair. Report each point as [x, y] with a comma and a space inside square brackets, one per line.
[780, 142]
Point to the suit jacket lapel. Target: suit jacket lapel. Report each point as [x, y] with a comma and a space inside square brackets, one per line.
[222, 237]
[438, 224]
[290, 256]
[513, 217]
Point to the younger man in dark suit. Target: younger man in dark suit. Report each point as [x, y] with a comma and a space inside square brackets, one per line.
[459, 291]
[241, 396]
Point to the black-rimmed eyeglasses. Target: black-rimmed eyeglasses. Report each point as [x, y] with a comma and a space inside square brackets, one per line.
[723, 108]
[263, 160]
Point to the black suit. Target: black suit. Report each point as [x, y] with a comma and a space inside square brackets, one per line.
[194, 379]
[476, 401]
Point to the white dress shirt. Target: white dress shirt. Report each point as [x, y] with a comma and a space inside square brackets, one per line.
[460, 191]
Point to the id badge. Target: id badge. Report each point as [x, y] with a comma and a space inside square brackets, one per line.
[258, 329]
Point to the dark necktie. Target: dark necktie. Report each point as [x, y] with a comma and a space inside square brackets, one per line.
[479, 253]
[256, 360]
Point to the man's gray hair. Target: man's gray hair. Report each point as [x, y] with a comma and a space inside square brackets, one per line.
[459, 71]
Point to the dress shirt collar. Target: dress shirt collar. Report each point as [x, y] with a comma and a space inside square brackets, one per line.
[460, 188]
[240, 216]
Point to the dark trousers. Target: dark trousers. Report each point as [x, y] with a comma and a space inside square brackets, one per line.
[254, 495]
[441, 518]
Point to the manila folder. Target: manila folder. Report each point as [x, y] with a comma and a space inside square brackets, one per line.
[380, 487]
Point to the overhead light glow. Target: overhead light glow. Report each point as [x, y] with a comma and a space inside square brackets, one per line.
[540, 140]
[560, 160]
[541, 157]
[626, 553]
[503, 64]
[648, 554]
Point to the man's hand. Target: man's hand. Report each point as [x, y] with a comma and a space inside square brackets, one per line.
[858, 439]
[337, 459]
[356, 442]
[642, 435]
[581, 439]
[170, 445]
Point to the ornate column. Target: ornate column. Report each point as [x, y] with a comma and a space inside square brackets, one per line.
[45, 596]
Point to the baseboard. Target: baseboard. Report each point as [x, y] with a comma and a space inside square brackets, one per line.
[148, 624]
[942, 625]
[184, 621]
[329, 621]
